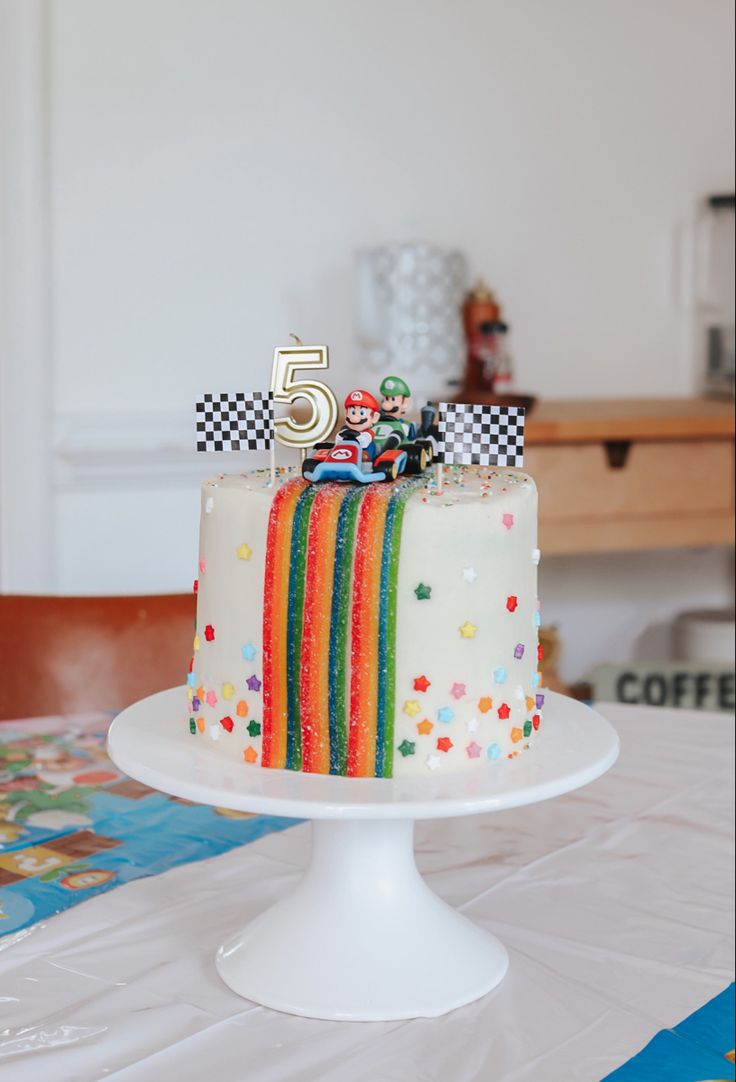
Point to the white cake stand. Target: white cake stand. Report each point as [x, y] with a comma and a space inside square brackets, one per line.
[362, 937]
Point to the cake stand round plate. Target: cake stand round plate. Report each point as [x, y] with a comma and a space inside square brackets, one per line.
[362, 937]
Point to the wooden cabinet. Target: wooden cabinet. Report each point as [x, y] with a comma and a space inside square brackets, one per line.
[632, 474]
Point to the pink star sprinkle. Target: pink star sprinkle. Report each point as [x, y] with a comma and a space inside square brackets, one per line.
[457, 690]
[508, 520]
[210, 698]
[473, 750]
[202, 566]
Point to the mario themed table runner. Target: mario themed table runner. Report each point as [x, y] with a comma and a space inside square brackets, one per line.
[72, 826]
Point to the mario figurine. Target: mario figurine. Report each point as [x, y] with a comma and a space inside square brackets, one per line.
[395, 398]
[361, 413]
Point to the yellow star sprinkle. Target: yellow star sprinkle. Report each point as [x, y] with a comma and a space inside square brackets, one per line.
[190, 694]
[195, 644]
[227, 690]
[411, 707]
[244, 552]
[468, 630]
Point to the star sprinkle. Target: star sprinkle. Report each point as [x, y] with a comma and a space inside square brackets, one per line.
[536, 556]
[210, 698]
[519, 651]
[540, 652]
[433, 761]
[227, 691]
[473, 750]
[527, 728]
[411, 708]
[539, 702]
[537, 720]
[192, 679]
[507, 520]
[407, 747]
[472, 725]
[196, 643]
[485, 704]
[444, 744]
[192, 726]
[203, 565]
[457, 690]
[254, 728]
[227, 724]
[248, 652]
[445, 714]
[516, 735]
[467, 630]
[504, 712]
[242, 709]
[529, 702]
[425, 727]
[536, 679]
[244, 552]
[215, 732]
[209, 633]
[470, 574]
[494, 751]
[512, 602]
[200, 724]
[519, 693]
[250, 755]
[254, 684]
[422, 683]
[195, 586]
[499, 676]
[209, 505]
[423, 592]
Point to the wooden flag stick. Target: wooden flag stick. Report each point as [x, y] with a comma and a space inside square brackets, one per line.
[272, 458]
[440, 477]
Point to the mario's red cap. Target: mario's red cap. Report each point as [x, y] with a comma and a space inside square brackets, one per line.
[362, 398]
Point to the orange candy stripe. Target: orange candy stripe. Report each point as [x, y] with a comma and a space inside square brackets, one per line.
[275, 615]
[315, 649]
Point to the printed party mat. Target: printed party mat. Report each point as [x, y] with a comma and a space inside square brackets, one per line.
[72, 825]
[700, 1049]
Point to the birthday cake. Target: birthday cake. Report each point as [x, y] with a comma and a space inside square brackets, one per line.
[370, 630]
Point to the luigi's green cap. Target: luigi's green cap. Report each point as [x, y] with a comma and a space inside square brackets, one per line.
[393, 385]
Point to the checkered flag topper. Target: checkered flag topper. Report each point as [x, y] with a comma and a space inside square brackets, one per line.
[473, 435]
[235, 422]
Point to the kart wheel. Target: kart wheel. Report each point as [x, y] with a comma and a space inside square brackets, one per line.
[391, 471]
[416, 458]
[428, 447]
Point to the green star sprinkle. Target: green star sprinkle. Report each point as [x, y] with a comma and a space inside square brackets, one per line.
[407, 747]
[254, 728]
[527, 728]
[423, 592]
[192, 725]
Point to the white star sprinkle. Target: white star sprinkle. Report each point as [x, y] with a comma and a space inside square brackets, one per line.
[519, 693]
[433, 761]
[536, 556]
[470, 574]
[209, 504]
[215, 732]
[472, 725]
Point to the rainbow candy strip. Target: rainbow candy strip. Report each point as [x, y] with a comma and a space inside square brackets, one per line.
[329, 627]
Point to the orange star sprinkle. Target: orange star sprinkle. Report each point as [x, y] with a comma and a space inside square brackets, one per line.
[425, 727]
[250, 755]
[516, 735]
[529, 703]
[242, 709]
[200, 724]
[485, 704]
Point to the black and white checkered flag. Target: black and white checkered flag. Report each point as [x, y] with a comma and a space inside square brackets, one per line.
[235, 422]
[472, 435]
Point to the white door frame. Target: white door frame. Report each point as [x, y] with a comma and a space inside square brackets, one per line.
[26, 509]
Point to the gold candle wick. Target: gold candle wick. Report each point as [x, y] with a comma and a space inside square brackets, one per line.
[296, 338]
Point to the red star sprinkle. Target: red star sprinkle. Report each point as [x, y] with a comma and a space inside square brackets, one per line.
[227, 724]
[195, 585]
[540, 653]
[511, 602]
[504, 712]
[209, 633]
[444, 743]
[536, 721]
[421, 683]
[191, 665]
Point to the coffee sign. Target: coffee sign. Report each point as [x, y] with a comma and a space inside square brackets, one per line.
[687, 685]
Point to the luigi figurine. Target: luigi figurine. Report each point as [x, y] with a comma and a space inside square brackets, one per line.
[395, 399]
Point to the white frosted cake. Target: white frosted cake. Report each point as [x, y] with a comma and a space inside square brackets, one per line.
[368, 630]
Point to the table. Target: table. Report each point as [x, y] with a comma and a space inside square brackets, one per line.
[615, 903]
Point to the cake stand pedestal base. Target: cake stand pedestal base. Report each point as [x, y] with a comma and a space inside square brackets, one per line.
[362, 937]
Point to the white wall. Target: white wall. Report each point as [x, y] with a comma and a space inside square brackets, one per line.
[214, 165]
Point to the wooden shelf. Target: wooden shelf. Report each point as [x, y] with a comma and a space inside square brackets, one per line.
[670, 484]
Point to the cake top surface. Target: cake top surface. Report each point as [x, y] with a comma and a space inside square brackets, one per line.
[461, 484]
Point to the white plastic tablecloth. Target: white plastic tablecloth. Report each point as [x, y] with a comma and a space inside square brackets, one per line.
[615, 902]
